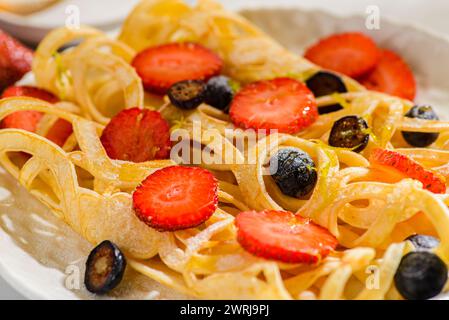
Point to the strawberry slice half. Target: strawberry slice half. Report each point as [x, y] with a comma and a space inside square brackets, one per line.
[282, 236]
[351, 53]
[161, 67]
[29, 120]
[281, 104]
[393, 76]
[137, 135]
[401, 164]
[176, 198]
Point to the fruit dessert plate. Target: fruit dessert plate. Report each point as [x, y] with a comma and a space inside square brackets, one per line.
[197, 156]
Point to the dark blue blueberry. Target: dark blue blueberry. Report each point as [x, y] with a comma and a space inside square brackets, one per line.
[219, 93]
[187, 94]
[421, 275]
[294, 172]
[105, 267]
[349, 132]
[423, 242]
[325, 83]
[421, 139]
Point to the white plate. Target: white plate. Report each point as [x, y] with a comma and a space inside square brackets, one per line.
[37, 248]
[102, 14]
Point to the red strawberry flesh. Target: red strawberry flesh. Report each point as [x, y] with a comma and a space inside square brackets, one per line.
[393, 76]
[284, 237]
[392, 160]
[25, 120]
[176, 198]
[161, 67]
[137, 135]
[352, 53]
[29, 91]
[15, 60]
[281, 104]
[60, 132]
[29, 120]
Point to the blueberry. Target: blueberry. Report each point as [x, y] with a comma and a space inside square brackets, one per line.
[219, 93]
[187, 94]
[349, 132]
[330, 108]
[325, 83]
[294, 172]
[421, 139]
[421, 275]
[423, 242]
[105, 267]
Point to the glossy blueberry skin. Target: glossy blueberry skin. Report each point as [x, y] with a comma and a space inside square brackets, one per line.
[294, 172]
[421, 275]
[187, 94]
[423, 242]
[219, 93]
[325, 83]
[421, 139]
[114, 259]
[349, 132]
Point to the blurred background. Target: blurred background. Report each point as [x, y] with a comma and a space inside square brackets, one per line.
[30, 20]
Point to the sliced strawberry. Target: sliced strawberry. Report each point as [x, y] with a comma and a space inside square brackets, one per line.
[29, 120]
[282, 236]
[15, 60]
[282, 104]
[60, 132]
[393, 76]
[137, 135]
[26, 120]
[8, 76]
[161, 67]
[176, 198]
[401, 164]
[352, 53]
[29, 91]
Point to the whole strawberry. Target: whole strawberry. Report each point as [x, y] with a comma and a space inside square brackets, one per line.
[15, 60]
